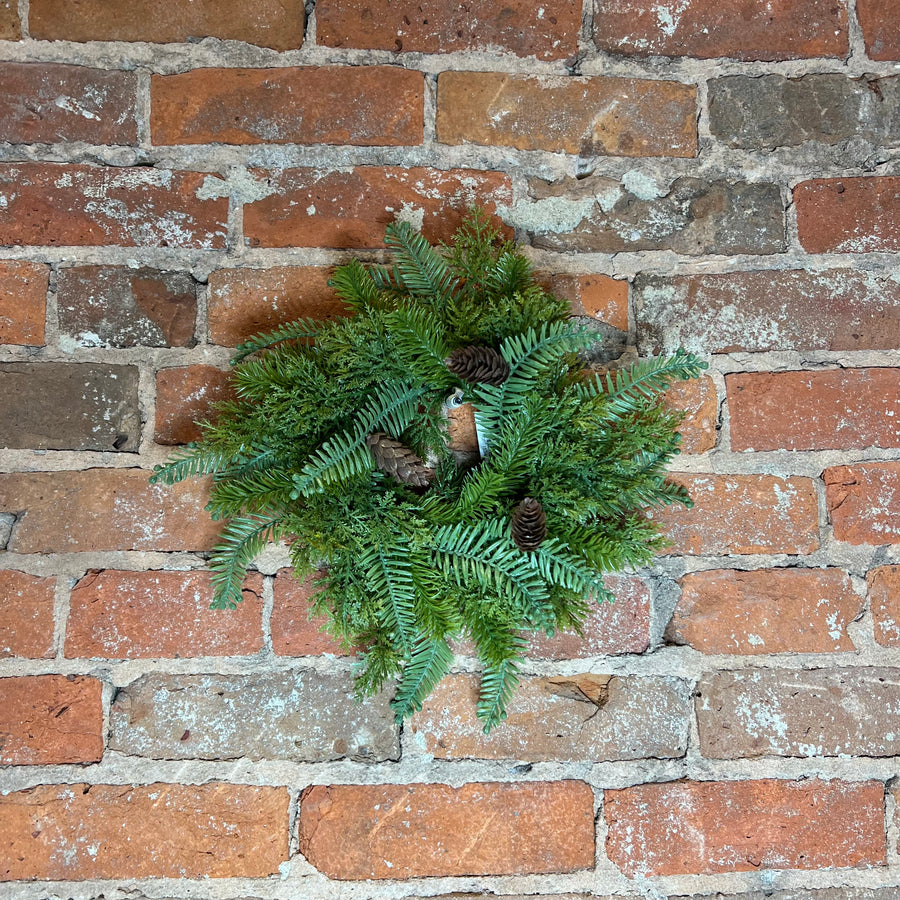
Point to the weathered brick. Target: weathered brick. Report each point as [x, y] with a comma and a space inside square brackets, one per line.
[245, 302]
[840, 309]
[848, 215]
[47, 719]
[818, 712]
[610, 629]
[838, 893]
[737, 514]
[185, 396]
[884, 601]
[23, 302]
[585, 717]
[105, 509]
[54, 204]
[73, 832]
[547, 31]
[112, 306]
[781, 29]
[294, 633]
[9, 21]
[864, 502]
[433, 829]
[304, 716]
[693, 217]
[765, 611]
[832, 409]
[697, 398]
[367, 106]
[135, 615]
[26, 615]
[270, 23]
[69, 406]
[878, 20]
[608, 116]
[770, 111]
[597, 296]
[705, 827]
[349, 210]
[47, 103]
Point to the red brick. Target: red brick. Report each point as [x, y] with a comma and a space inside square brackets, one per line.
[780, 29]
[134, 615]
[848, 215]
[742, 514]
[105, 509]
[812, 712]
[697, 398]
[115, 306]
[47, 719]
[73, 832]
[367, 106]
[879, 21]
[245, 302]
[9, 21]
[832, 409]
[294, 633]
[23, 302]
[706, 827]
[185, 396]
[838, 309]
[583, 717]
[270, 23]
[864, 502]
[49, 103]
[349, 210]
[419, 830]
[611, 629]
[598, 296]
[765, 611]
[884, 601]
[53, 204]
[608, 116]
[26, 615]
[547, 30]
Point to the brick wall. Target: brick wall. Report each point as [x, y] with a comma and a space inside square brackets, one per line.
[178, 174]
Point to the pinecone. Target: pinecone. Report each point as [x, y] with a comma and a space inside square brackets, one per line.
[482, 364]
[398, 461]
[529, 525]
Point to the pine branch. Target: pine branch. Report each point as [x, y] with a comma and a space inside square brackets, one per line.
[301, 329]
[423, 270]
[354, 284]
[429, 663]
[511, 273]
[498, 683]
[420, 337]
[243, 539]
[390, 576]
[256, 492]
[190, 461]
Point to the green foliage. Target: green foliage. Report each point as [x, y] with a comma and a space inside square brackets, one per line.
[405, 571]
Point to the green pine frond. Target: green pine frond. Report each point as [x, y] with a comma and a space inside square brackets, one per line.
[429, 663]
[354, 284]
[256, 492]
[510, 274]
[301, 329]
[190, 461]
[424, 271]
[498, 683]
[557, 565]
[390, 576]
[243, 539]
[420, 337]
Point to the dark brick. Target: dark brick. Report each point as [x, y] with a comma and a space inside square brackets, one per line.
[107, 306]
[69, 406]
[9, 21]
[772, 111]
[184, 398]
[304, 716]
[822, 712]
[840, 309]
[270, 23]
[43, 103]
[694, 217]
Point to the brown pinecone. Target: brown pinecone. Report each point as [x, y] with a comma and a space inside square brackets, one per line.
[482, 364]
[529, 525]
[398, 461]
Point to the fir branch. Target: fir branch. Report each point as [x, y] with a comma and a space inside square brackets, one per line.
[301, 329]
[390, 576]
[423, 270]
[429, 663]
[498, 683]
[353, 283]
[243, 539]
[419, 336]
[190, 461]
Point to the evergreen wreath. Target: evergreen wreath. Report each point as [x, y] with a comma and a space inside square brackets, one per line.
[337, 443]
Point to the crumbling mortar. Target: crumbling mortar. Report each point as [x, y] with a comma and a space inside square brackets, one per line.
[142, 111]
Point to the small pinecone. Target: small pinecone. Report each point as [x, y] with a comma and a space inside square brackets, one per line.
[482, 364]
[398, 461]
[529, 525]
